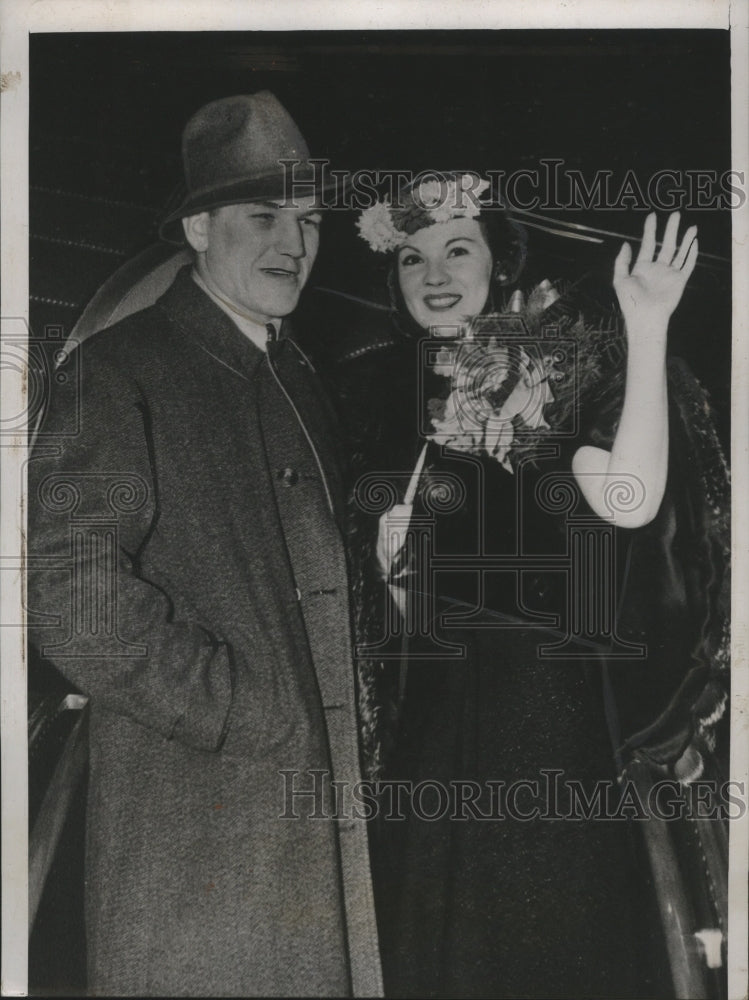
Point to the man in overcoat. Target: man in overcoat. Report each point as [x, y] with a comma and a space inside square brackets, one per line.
[187, 572]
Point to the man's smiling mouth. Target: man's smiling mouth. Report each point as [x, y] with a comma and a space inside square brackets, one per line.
[280, 272]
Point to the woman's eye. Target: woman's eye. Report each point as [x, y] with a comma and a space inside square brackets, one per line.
[458, 251]
[409, 259]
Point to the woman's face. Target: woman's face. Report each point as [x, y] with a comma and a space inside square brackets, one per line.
[444, 272]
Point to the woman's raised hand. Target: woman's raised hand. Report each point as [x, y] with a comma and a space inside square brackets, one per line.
[651, 290]
[648, 293]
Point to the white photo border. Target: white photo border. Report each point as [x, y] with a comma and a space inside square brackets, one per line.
[19, 19]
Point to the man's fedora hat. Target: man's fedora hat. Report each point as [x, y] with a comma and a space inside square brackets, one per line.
[231, 153]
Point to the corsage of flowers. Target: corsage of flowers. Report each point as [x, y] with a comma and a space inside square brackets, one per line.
[386, 226]
[496, 390]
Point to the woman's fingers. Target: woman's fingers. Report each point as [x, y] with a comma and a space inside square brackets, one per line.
[622, 262]
[668, 253]
[691, 259]
[688, 240]
[647, 247]
[668, 247]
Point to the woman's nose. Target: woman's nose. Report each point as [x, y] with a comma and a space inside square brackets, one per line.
[436, 273]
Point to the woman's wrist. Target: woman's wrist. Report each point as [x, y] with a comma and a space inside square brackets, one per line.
[647, 335]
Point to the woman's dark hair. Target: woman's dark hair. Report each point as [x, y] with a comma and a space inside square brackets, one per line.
[507, 241]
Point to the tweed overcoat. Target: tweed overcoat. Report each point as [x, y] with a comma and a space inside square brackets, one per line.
[187, 572]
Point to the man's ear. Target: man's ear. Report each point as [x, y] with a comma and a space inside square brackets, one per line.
[196, 231]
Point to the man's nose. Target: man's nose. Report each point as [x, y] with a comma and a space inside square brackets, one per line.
[290, 239]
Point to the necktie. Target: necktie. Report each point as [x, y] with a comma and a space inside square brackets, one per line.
[272, 335]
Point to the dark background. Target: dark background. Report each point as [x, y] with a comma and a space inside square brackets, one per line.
[107, 112]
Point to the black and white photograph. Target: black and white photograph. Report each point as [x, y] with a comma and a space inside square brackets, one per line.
[369, 401]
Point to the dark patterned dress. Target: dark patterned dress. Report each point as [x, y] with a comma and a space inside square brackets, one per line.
[509, 866]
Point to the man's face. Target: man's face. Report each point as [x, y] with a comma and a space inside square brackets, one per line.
[258, 255]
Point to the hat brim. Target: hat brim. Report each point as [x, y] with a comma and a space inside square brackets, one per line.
[271, 186]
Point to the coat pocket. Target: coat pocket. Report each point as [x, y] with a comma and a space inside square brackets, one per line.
[269, 707]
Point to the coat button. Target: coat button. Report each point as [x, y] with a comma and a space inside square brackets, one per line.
[288, 477]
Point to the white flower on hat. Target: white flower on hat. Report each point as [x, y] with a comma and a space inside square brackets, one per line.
[440, 201]
[445, 200]
[376, 226]
[443, 213]
[430, 194]
[472, 208]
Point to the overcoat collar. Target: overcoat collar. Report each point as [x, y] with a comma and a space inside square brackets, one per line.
[210, 327]
[213, 332]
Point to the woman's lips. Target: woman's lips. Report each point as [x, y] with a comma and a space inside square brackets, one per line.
[441, 302]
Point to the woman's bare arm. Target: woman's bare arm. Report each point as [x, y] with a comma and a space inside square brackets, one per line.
[626, 485]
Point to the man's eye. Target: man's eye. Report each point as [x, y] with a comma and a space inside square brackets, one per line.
[265, 216]
[313, 220]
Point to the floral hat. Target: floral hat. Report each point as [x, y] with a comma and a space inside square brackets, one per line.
[385, 226]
